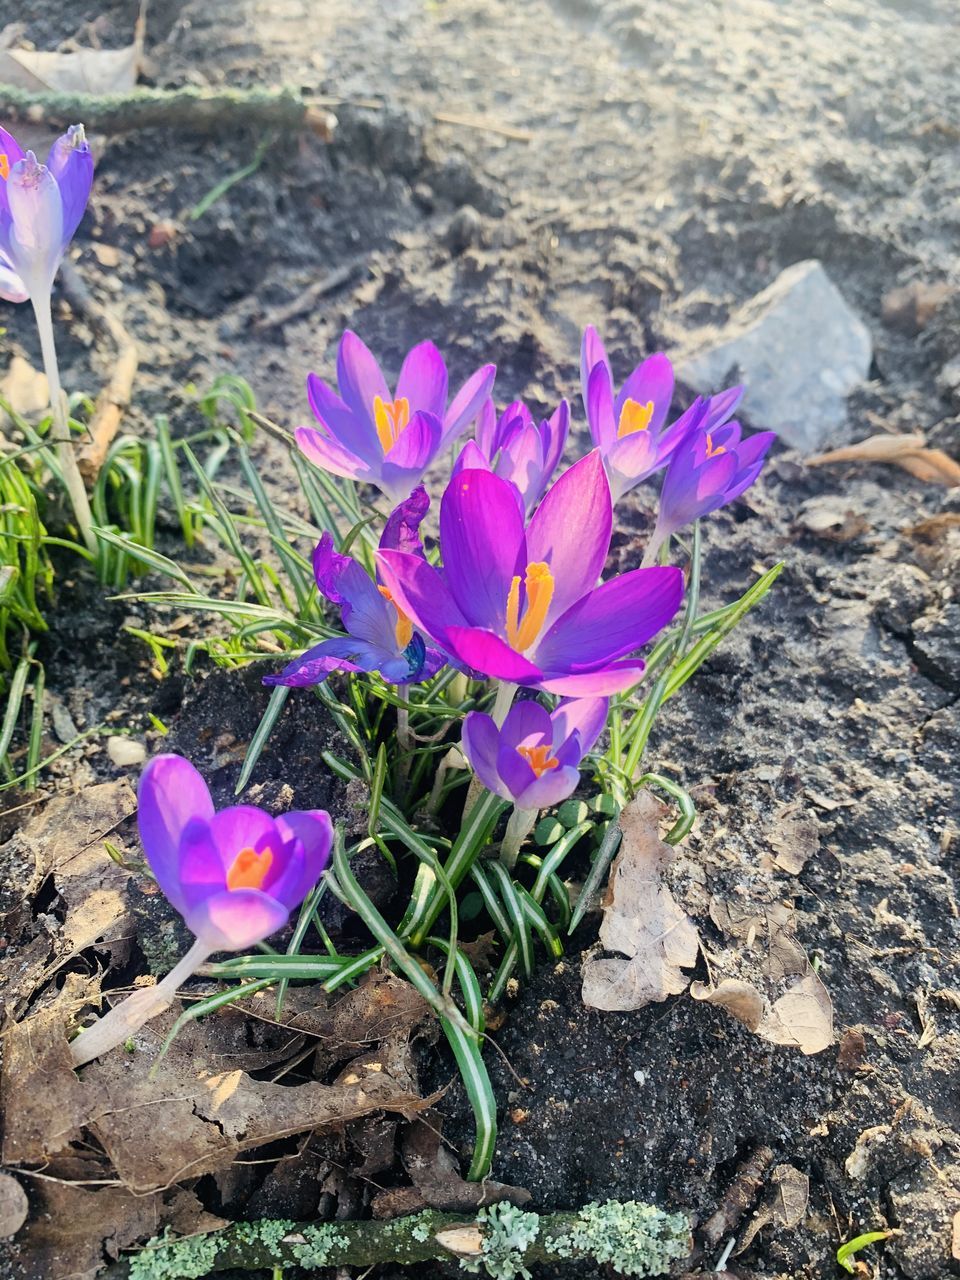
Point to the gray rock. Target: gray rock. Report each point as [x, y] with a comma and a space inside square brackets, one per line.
[800, 350]
[948, 381]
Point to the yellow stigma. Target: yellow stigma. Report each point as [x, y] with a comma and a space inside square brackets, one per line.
[403, 630]
[712, 450]
[539, 759]
[634, 416]
[391, 417]
[539, 587]
[4, 166]
[249, 869]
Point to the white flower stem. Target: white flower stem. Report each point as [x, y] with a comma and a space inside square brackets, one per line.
[60, 431]
[129, 1015]
[404, 736]
[518, 828]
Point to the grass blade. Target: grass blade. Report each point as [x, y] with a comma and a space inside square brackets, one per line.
[264, 729]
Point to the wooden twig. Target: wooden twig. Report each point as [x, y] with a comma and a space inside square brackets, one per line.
[483, 124]
[319, 289]
[191, 109]
[115, 396]
[637, 1239]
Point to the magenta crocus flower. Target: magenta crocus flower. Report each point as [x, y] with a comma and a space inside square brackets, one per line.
[388, 440]
[516, 448]
[534, 759]
[380, 636]
[710, 468]
[629, 428]
[522, 604]
[235, 875]
[40, 208]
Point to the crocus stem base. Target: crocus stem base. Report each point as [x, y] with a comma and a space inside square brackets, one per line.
[518, 828]
[60, 431]
[129, 1015]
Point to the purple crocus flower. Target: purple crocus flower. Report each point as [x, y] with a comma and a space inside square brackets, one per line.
[388, 440]
[380, 636]
[629, 428]
[516, 448]
[40, 209]
[710, 468]
[522, 604]
[534, 759]
[235, 875]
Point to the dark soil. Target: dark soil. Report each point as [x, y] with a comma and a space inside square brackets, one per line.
[680, 156]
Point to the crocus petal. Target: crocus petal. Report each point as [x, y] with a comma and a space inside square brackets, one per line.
[242, 826]
[202, 872]
[35, 245]
[468, 402]
[592, 353]
[12, 287]
[359, 377]
[515, 772]
[236, 919]
[481, 534]
[354, 432]
[614, 678]
[423, 380]
[570, 531]
[651, 380]
[521, 463]
[366, 612]
[630, 460]
[552, 787]
[721, 406]
[421, 593]
[471, 458]
[485, 652]
[10, 151]
[329, 566]
[612, 621]
[331, 456]
[340, 653]
[481, 743]
[487, 429]
[586, 717]
[170, 795]
[554, 432]
[311, 831]
[410, 456]
[527, 723]
[599, 406]
[71, 163]
[402, 530]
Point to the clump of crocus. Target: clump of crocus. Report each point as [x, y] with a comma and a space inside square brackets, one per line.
[234, 876]
[518, 449]
[710, 468]
[40, 208]
[388, 440]
[521, 604]
[534, 759]
[380, 636]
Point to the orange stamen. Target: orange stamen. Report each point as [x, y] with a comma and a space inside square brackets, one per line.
[403, 630]
[4, 166]
[634, 417]
[249, 869]
[539, 759]
[712, 450]
[391, 417]
[539, 586]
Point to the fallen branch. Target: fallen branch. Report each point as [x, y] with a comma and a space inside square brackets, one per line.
[188, 108]
[636, 1239]
[313, 293]
[115, 396]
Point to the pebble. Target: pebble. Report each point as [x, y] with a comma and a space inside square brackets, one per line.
[800, 350]
[126, 751]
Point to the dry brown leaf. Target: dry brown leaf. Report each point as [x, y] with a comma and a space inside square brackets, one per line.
[641, 921]
[906, 451]
[187, 1120]
[97, 71]
[740, 998]
[794, 837]
[435, 1172]
[785, 1206]
[13, 1205]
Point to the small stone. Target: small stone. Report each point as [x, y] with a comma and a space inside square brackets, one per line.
[463, 230]
[161, 233]
[13, 1205]
[126, 751]
[800, 350]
